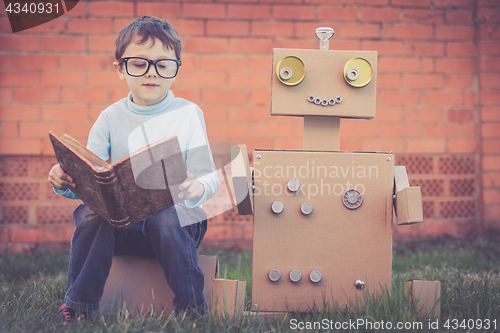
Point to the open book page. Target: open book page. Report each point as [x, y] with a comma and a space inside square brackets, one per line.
[84, 152]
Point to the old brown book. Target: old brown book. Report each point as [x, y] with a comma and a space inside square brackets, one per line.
[130, 189]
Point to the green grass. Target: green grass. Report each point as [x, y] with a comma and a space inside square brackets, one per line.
[33, 287]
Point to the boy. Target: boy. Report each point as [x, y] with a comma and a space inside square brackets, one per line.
[148, 59]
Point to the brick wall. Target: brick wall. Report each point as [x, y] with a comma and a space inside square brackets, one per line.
[438, 102]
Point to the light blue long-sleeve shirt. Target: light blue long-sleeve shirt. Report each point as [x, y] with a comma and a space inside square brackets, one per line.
[124, 127]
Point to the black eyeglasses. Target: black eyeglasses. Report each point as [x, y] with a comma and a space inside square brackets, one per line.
[166, 68]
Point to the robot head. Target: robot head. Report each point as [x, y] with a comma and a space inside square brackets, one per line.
[324, 83]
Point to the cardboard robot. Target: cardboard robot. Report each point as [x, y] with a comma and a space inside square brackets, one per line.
[322, 217]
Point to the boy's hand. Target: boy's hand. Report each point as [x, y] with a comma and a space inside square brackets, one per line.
[59, 179]
[191, 188]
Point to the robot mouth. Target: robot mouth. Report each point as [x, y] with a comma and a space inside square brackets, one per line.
[324, 102]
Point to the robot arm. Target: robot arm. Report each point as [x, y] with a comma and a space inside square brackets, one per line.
[408, 200]
[242, 179]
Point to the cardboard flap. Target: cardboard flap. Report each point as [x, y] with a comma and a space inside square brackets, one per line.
[426, 295]
[409, 205]
[228, 297]
[242, 179]
[401, 178]
[210, 268]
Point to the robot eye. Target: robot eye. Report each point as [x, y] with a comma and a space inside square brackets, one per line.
[290, 70]
[358, 72]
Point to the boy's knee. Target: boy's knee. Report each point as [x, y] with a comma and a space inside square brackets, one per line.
[84, 216]
[165, 222]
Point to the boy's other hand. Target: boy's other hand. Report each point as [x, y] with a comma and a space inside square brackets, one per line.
[191, 188]
[59, 179]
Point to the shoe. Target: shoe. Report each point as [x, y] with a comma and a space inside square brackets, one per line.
[68, 315]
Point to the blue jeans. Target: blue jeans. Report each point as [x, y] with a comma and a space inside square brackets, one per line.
[95, 242]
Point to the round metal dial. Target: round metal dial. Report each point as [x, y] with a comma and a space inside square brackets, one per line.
[352, 199]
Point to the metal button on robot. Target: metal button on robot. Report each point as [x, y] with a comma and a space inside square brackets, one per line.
[277, 207]
[274, 275]
[306, 208]
[315, 276]
[293, 185]
[295, 275]
[360, 284]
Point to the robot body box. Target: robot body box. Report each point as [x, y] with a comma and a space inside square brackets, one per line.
[322, 228]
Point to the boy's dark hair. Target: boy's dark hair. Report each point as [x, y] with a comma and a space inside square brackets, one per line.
[148, 27]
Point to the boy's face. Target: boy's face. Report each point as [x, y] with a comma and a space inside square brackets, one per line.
[150, 88]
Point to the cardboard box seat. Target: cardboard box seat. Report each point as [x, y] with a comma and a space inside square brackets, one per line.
[139, 285]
